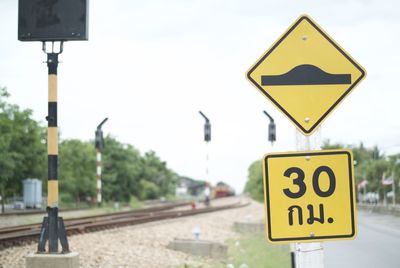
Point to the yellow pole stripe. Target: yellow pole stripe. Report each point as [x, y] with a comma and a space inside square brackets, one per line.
[52, 193]
[52, 88]
[52, 140]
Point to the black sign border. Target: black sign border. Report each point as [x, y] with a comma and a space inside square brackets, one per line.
[294, 154]
[319, 121]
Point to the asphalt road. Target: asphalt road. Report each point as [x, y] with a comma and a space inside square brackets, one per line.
[377, 244]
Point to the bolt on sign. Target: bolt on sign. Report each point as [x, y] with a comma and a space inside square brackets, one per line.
[306, 74]
[309, 196]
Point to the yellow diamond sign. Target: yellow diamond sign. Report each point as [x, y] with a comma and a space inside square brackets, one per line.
[306, 74]
[309, 196]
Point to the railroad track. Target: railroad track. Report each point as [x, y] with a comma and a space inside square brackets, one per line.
[20, 235]
[98, 217]
[36, 211]
[41, 211]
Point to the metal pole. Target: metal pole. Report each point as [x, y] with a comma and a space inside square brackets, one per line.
[270, 117]
[309, 255]
[205, 117]
[208, 184]
[384, 195]
[365, 194]
[52, 150]
[98, 176]
[207, 162]
[99, 143]
[53, 226]
[207, 139]
[292, 255]
[102, 123]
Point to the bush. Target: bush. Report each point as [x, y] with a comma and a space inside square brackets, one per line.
[254, 184]
[135, 203]
[149, 190]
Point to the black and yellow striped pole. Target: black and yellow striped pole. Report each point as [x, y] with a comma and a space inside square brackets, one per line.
[53, 228]
[52, 22]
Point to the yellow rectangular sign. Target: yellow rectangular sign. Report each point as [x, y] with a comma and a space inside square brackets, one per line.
[309, 196]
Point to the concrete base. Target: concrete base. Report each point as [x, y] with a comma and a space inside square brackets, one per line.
[249, 227]
[199, 248]
[46, 260]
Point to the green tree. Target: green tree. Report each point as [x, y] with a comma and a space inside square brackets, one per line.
[125, 172]
[149, 190]
[394, 171]
[370, 164]
[22, 147]
[157, 172]
[7, 158]
[77, 170]
[254, 184]
[121, 173]
[29, 141]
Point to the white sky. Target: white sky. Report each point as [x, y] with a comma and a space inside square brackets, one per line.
[150, 66]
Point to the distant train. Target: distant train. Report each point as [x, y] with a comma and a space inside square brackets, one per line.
[222, 190]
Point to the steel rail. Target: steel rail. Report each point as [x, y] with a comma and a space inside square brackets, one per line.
[70, 221]
[87, 224]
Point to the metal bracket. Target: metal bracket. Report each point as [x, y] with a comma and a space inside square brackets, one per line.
[60, 50]
[58, 233]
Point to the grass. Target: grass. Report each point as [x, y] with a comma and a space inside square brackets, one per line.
[135, 203]
[252, 250]
[255, 251]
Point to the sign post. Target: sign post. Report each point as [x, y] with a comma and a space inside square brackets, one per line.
[309, 195]
[55, 22]
[310, 255]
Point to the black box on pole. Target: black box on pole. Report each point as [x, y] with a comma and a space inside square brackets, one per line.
[52, 20]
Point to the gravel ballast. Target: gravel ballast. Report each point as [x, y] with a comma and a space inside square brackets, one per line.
[145, 245]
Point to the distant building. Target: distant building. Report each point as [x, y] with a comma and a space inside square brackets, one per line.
[189, 187]
[181, 189]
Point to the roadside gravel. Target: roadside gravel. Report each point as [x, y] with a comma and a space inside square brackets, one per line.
[145, 245]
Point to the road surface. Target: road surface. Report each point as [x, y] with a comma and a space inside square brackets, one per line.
[377, 244]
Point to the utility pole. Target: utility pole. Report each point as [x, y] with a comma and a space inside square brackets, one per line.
[99, 144]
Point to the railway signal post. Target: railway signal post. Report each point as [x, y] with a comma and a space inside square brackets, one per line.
[53, 226]
[309, 196]
[207, 128]
[99, 144]
[52, 23]
[271, 129]
[207, 139]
